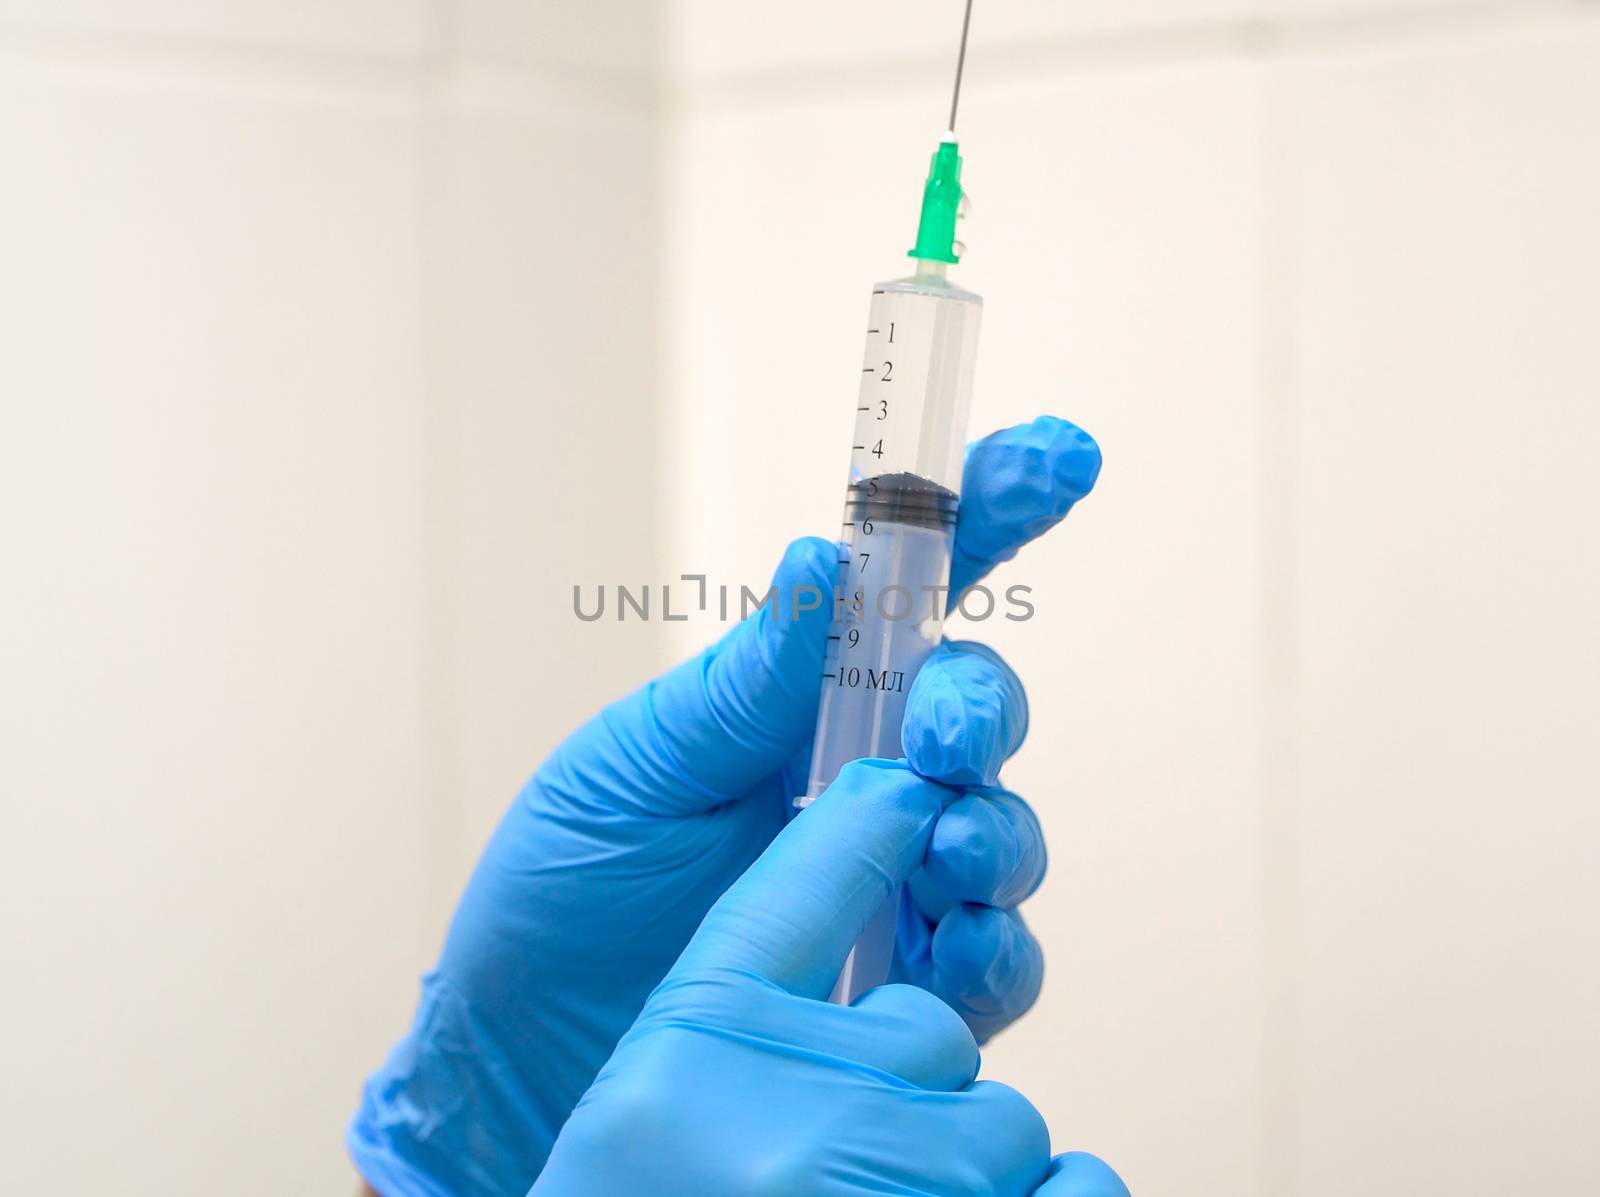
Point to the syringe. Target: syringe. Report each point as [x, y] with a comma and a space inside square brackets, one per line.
[900, 510]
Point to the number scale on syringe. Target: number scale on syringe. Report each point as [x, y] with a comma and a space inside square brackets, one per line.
[900, 514]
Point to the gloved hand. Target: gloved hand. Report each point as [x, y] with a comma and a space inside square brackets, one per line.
[739, 1078]
[606, 864]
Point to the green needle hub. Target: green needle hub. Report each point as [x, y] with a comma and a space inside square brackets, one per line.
[941, 204]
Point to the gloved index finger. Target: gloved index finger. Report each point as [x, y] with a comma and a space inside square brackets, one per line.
[797, 910]
[1017, 484]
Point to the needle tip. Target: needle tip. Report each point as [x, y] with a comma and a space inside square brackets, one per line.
[961, 61]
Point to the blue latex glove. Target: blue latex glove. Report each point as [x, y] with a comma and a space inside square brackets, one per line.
[740, 1078]
[603, 868]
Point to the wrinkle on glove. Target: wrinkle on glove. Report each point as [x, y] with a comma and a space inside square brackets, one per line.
[452, 1110]
[1018, 484]
[966, 715]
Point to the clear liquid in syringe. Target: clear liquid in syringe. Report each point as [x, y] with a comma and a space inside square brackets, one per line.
[894, 570]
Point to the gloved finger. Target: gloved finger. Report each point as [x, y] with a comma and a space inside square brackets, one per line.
[1079, 1174]
[987, 966]
[793, 915]
[708, 730]
[1016, 485]
[988, 848]
[965, 716]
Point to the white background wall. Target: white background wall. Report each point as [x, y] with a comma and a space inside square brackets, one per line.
[312, 362]
[337, 341]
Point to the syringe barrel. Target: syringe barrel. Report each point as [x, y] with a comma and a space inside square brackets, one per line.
[916, 379]
[901, 504]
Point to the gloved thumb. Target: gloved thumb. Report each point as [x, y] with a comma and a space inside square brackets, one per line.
[707, 731]
[793, 916]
